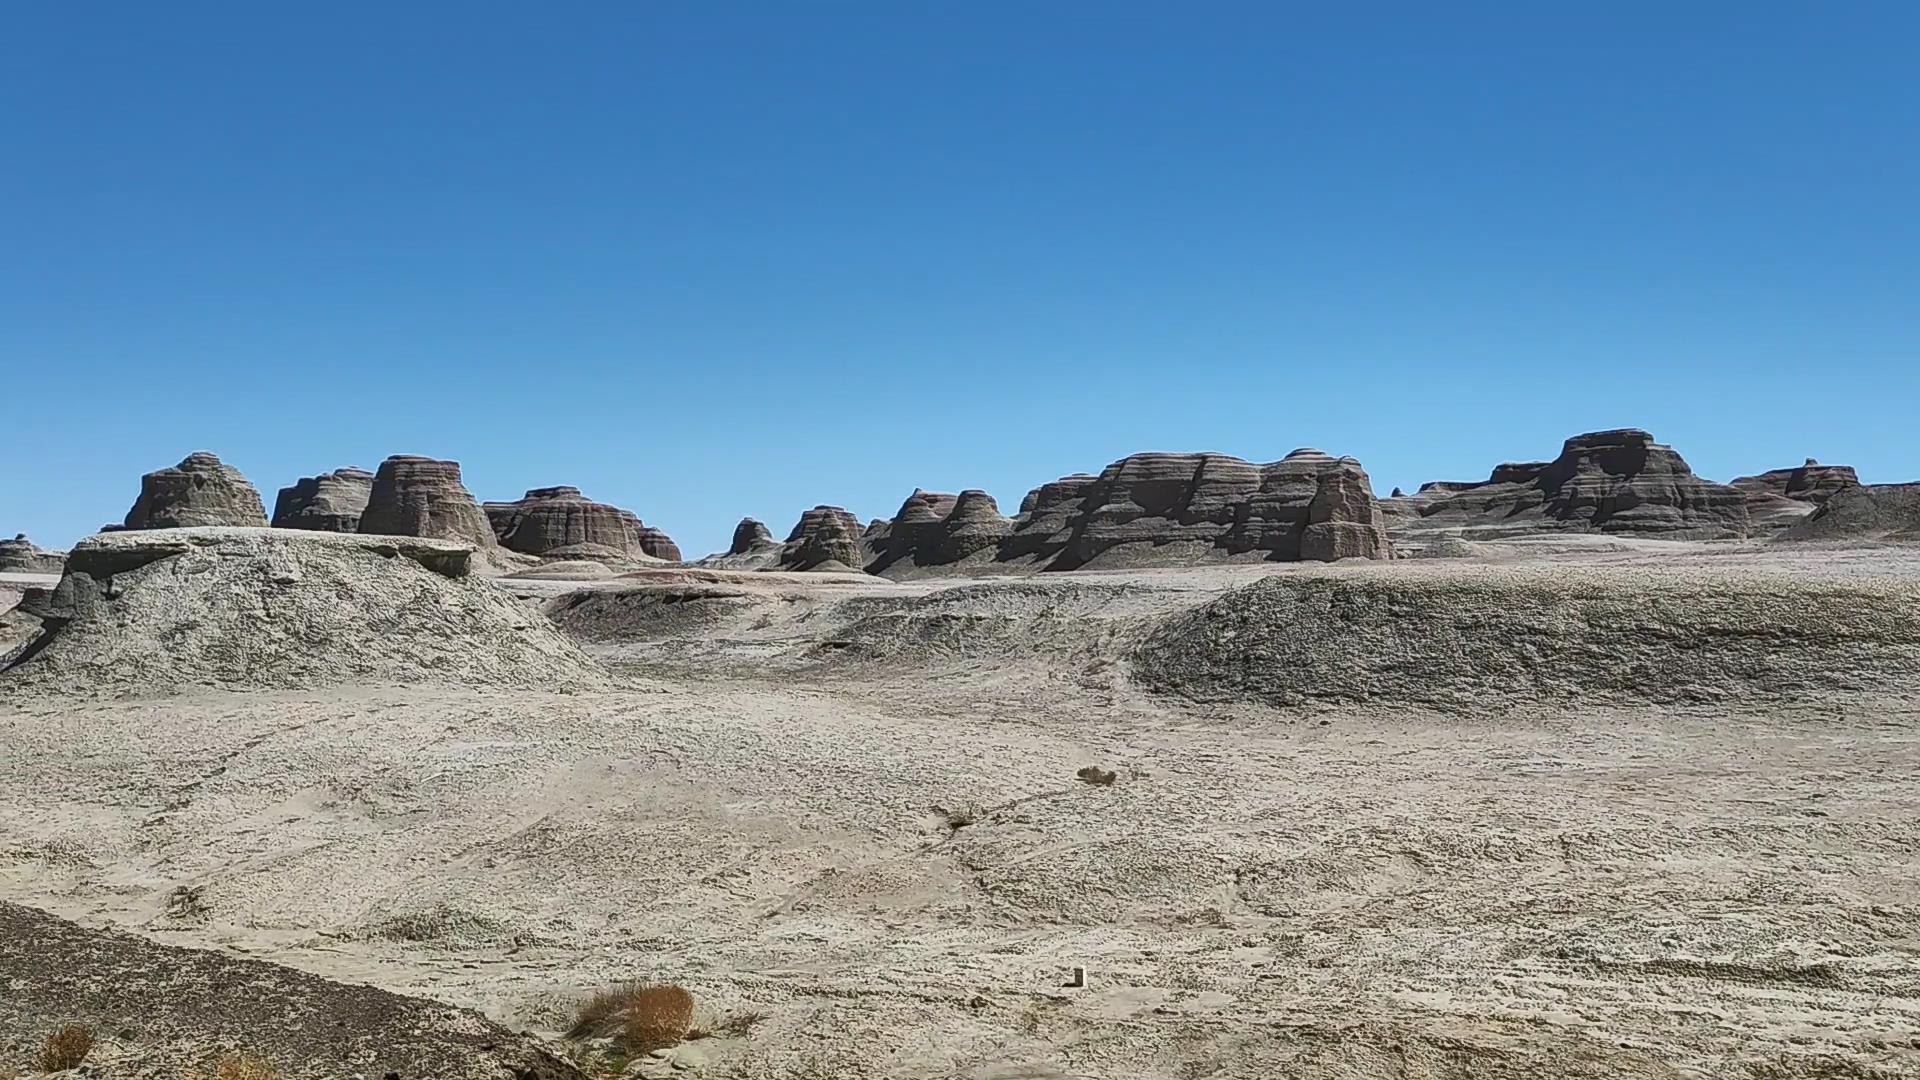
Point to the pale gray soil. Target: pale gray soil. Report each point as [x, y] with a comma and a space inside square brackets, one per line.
[851, 805]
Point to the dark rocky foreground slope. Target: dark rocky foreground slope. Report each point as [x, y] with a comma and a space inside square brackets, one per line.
[201, 490]
[560, 522]
[1618, 482]
[162, 1011]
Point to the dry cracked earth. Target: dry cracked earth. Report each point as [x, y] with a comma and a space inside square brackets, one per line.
[845, 813]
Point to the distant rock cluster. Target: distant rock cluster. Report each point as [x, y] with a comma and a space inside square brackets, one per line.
[560, 522]
[1146, 509]
[409, 495]
[1605, 481]
[20, 556]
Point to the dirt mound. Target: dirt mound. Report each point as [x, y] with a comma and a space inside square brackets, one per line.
[1485, 639]
[160, 1010]
[1875, 512]
[260, 608]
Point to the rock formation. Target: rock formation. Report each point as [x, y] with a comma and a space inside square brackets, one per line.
[1780, 498]
[1158, 509]
[1864, 512]
[825, 538]
[419, 496]
[249, 608]
[750, 536]
[1605, 481]
[330, 502]
[1811, 483]
[937, 530]
[201, 490]
[20, 556]
[560, 522]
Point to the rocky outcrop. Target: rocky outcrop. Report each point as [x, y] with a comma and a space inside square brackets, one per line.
[249, 608]
[1781, 498]
[20, 556]
[1343, 519]
[751, 536]
[560, 522]
[1606, 481]
[1810, 483]
[1864, 512]
[201, 490]
[825, 538]
[1158, 509]
[420, 496]
[934, 530]
[330, 502]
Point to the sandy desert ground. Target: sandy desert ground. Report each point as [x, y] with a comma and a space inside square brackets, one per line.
[849, 808]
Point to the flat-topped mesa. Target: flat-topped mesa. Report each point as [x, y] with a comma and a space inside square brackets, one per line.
[422, 496]
[1618, 481]
[938, 530]
[825, 538]
[201, 490]
[20, 556]
[330, 502]
[561, 522]
[1168, 509]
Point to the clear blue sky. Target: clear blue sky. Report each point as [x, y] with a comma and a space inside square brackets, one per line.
[714, 259]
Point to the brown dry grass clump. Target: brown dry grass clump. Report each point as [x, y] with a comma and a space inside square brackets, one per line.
[245, 1067]
[66, 1048]
[643, 1016]
[1094, 774]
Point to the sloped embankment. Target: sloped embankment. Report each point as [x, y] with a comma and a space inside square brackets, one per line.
[165, 1011]
[273, 608]
[1488, 639]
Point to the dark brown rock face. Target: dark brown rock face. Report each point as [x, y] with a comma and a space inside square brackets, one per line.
[750, 536]
[1170, 508]
[420, 496]
[825, 535]
[934, 530]
[1781, 498]
[330, 502]
[20, 556]
[560, 520]
[1606, 481]
[201, 490]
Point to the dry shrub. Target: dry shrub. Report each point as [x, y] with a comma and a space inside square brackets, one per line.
[245, 1067]
[66, 1048]
[1094, 774]
[644, 1016]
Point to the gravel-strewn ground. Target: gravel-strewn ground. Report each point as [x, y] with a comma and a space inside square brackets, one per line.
[854, 809]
